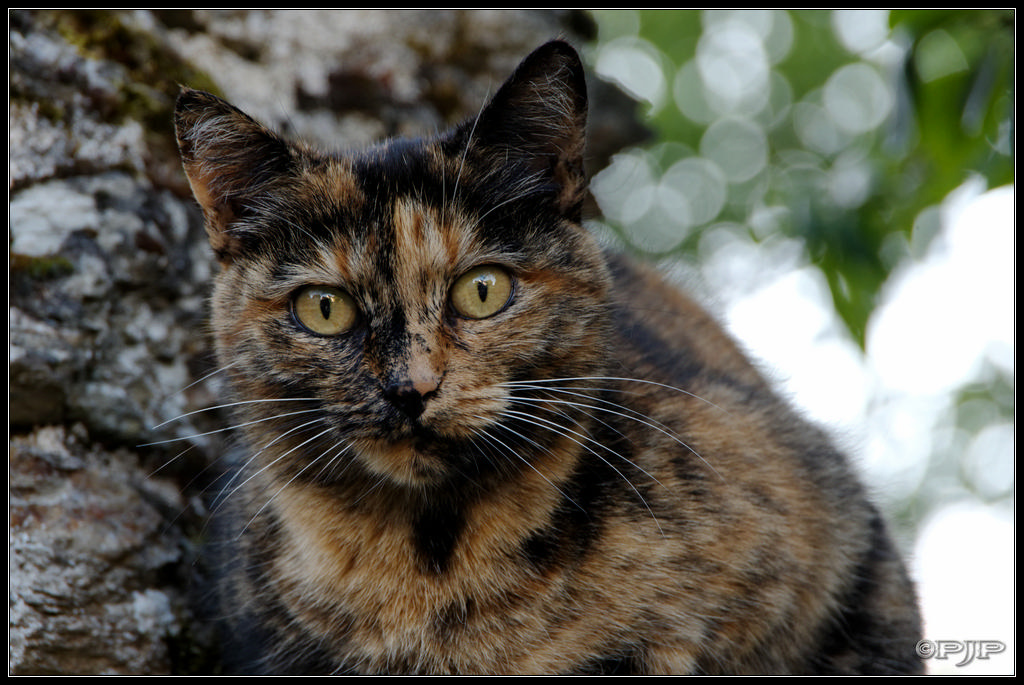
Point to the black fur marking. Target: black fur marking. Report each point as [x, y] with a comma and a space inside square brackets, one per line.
[858, 642]
[398, 169]
[435, 531]
[452, 618]
[627, 663]
[597, 488]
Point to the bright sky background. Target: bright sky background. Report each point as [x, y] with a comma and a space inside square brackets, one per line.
[943, 316]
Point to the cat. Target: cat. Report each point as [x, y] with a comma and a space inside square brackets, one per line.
[472, 441]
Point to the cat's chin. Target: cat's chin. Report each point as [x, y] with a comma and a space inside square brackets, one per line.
[412, 461]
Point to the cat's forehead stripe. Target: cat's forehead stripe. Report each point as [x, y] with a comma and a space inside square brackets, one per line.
[426, 240]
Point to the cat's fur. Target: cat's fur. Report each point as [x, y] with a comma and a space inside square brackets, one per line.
[430, 493]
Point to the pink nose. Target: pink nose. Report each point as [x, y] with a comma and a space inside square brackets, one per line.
[411, 396]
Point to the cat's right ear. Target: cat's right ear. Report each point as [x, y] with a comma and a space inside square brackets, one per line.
[230, 160]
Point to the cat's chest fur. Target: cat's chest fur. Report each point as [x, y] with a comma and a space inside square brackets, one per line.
[470, 441]
[568, 570]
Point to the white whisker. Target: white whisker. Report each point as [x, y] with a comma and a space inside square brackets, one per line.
[233, 404]
[235, 488]
[200, 380]
[562, 430]
[618, 379]
[380, 481]
[492, 439]
[549, 424]
[170, 461]
[336, 457]
[462, 159]
[229, 428]
[292, 479]
[633, 415]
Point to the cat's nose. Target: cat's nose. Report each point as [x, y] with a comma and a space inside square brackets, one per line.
[409, 397]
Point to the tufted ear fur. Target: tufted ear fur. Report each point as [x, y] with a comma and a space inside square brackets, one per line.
[537, 122]
[230, 161]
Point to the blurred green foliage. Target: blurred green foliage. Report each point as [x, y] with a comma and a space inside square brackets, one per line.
[939, 81]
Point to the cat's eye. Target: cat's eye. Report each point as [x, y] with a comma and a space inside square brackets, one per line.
[324, 310]
[482, 292]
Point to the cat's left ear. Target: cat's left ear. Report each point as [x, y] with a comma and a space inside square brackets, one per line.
[538, 120]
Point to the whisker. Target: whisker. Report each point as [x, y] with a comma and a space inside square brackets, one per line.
[200, 380]
[585, 437]
[380, 481]
[232, 404]
[170, 461]
[537, 401]
[633, 415]
[561, 430]
[465, 153]
[187, 486]
[333, 459]
[617, 379]
[229, 428]
[290, 480]
[493, 439]
[209, 466]
[224, 495]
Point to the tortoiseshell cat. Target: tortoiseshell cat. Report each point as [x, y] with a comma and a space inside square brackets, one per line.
[472, 442]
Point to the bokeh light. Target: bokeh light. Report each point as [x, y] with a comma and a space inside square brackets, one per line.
[855, 231]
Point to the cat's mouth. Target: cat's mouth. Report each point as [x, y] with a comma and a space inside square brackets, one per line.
[417, 449]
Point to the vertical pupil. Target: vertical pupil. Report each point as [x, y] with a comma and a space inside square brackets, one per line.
[325, 306]
[481, 289]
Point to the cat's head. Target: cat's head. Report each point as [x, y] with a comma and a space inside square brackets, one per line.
[383, 300]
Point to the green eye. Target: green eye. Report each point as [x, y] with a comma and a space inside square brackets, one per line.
[324, 310]
[482, 292]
